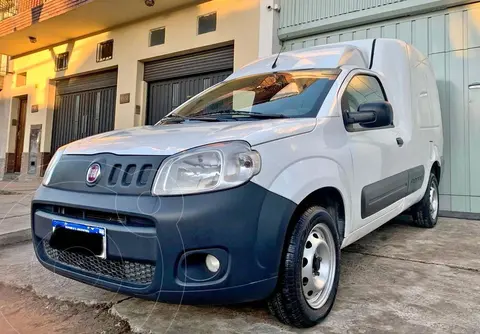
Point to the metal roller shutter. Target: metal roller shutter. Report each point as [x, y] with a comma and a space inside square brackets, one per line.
[197, 63]
[166, 95]
[87, 82]
[84, 106]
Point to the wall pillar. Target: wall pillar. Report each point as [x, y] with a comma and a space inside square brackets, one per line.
[268, 31]
[140, 96]
[2, 166]
[126, 84]
[24, 176]
[4, 120]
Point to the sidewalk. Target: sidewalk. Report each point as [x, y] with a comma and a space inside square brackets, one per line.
[15, 198]
[19, 186]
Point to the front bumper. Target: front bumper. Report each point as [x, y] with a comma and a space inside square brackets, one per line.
[244, 227]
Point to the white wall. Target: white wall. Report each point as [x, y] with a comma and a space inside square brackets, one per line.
[269, 21]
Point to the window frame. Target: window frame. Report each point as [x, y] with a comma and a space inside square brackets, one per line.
[99, 49]
[57, 58]
[205, 15]
[342, 91]
[150, 45]
[24, 76]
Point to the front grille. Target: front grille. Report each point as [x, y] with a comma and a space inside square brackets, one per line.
[119, 174]
[125, 271]
[95, 216]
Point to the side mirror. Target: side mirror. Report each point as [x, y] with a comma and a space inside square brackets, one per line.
[372, 115]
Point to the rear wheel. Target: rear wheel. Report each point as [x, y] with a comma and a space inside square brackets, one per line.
[425, 213]
[311, 270]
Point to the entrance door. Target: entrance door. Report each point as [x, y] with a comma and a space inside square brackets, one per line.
[84, 106]
[473, 74]
[81, 115]
[22, 114]
[173, 81]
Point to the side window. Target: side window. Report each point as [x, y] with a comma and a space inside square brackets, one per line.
[361, 89]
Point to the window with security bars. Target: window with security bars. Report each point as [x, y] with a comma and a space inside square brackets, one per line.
[8, 8]
[105, 51]
[61, 61]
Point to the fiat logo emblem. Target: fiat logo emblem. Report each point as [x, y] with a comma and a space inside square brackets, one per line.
[93, 173]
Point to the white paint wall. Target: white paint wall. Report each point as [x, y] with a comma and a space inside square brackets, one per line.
[269, 21]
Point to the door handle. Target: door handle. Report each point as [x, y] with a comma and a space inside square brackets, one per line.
[475, 85]
[399, 141]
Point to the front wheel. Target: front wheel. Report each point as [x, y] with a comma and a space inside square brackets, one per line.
[308, 281]
[425, 213]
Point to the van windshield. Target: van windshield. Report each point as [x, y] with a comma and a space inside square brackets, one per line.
[271, 95]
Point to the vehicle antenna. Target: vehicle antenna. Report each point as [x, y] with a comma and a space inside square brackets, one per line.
[276, 59]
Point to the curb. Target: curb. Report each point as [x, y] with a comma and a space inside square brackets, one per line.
[15, 237]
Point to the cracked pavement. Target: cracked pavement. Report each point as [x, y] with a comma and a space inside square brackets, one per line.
[398, 279]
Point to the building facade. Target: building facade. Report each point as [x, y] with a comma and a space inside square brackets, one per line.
[447, 31]
[81, 67]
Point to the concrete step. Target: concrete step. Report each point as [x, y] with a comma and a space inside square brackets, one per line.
[11, 177]
[15, 229]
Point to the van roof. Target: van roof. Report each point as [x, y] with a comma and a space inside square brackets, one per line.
[357, 53]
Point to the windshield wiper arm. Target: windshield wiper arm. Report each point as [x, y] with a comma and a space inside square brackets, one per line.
[233, 113]
[173, 117]
[179, 119]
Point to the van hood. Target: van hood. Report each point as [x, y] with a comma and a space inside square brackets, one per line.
[173, 138]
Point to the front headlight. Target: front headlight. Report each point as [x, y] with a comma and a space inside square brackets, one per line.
[51, 166]
[207, 168]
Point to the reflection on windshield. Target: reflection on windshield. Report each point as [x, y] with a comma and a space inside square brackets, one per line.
[271, 95]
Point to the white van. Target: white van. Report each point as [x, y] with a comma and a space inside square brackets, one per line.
[250, 189]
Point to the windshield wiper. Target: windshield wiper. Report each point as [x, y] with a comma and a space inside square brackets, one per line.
[174, 117]
[180, 119]
[230, 116]
[252, 114]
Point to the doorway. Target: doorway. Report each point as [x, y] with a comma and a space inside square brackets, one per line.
[84, 106]
[174, 80]
[20, 136]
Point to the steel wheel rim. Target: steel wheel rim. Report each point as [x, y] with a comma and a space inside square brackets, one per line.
[433, 201]
[318, 266]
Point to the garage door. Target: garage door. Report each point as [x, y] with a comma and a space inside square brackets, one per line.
[84, 106]
[451, 39]
[173, 81]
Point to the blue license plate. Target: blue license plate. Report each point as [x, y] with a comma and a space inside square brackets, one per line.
[83, 228]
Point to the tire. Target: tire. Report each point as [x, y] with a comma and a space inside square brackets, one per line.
[425, 213]
[317, 229]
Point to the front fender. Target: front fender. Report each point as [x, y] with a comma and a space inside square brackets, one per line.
[303, 177]
[294, 184]
[321, 172]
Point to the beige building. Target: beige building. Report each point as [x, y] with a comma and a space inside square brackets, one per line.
[81, 67]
